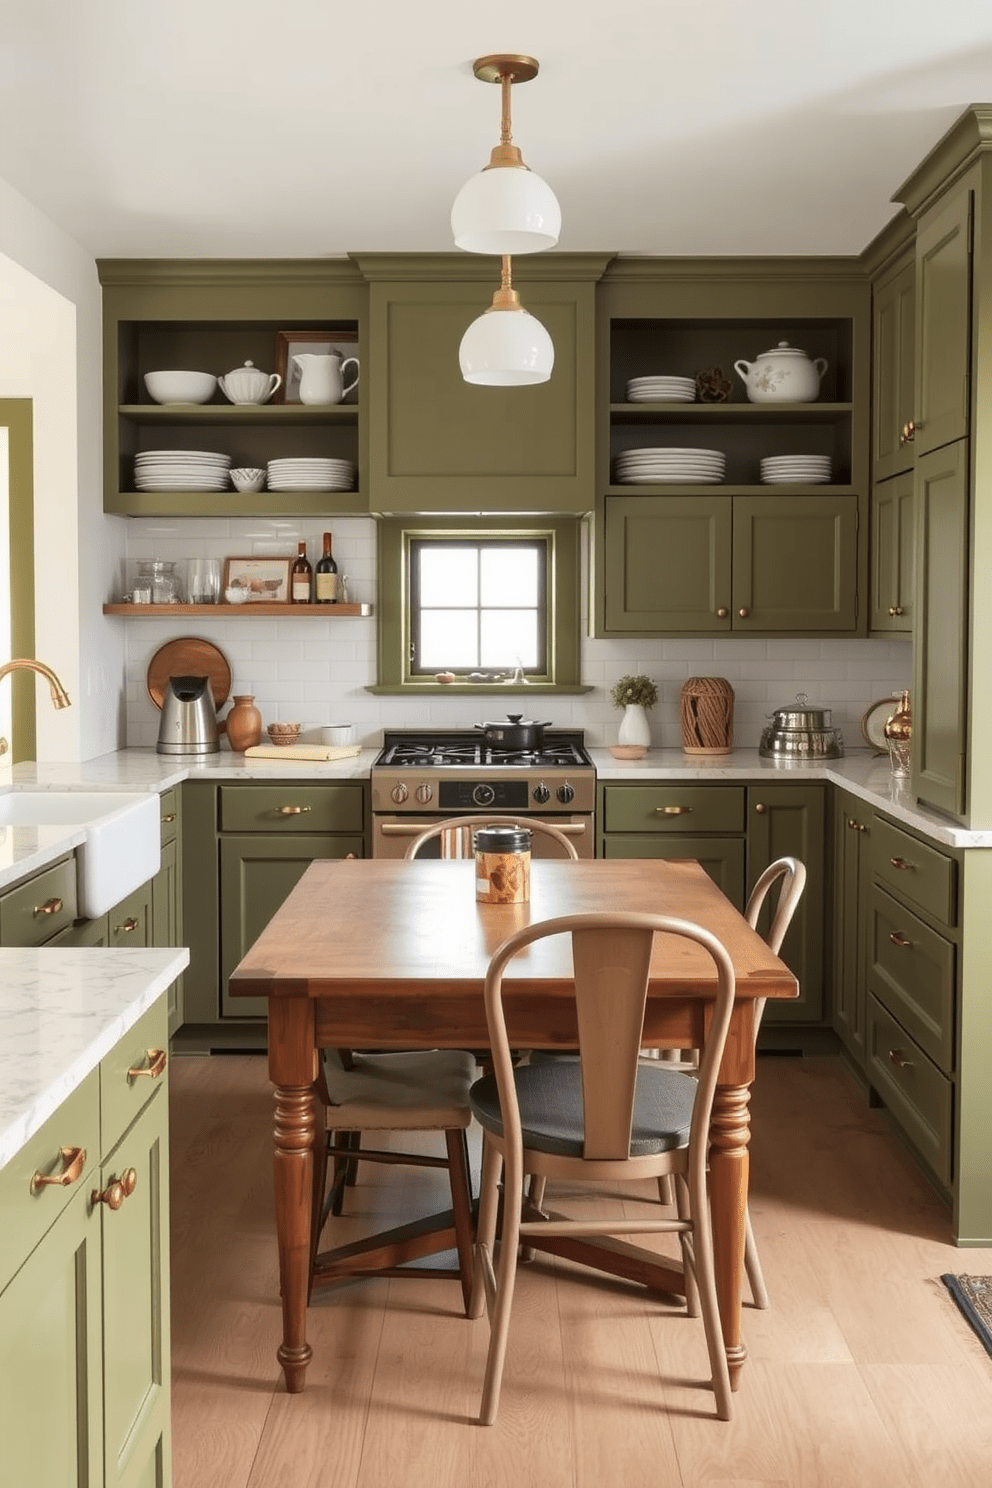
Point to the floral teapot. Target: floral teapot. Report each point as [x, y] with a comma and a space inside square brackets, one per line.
[785, 375]
[248, 385]
[322, 376]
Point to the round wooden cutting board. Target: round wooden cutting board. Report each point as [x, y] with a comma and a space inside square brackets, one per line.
[189, 656]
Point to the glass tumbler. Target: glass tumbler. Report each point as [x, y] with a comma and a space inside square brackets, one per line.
[203, 580]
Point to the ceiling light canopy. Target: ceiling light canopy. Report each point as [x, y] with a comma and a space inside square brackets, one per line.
[506, 346]
[506, 208]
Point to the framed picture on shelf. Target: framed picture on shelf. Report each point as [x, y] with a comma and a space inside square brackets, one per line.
[290, 344]
[265, 580]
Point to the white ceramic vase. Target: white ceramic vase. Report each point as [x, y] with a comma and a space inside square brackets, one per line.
[634, 726]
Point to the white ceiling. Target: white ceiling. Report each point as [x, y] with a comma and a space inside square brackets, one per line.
[308, 127]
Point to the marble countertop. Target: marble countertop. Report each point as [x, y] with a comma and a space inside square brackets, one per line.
[61, 1011]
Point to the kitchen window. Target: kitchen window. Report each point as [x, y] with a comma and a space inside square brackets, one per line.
[478, 599]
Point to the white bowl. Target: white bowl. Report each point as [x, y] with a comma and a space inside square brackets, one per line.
[247, 479]
[180, 387]
[237, 595]
[338, 733]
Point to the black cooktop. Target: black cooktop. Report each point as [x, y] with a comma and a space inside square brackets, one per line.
[447, 748]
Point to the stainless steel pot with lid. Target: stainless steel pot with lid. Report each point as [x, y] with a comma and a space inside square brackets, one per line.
[801, 733]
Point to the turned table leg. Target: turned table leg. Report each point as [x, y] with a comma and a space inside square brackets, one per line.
[294, 1134]
[729, 1135]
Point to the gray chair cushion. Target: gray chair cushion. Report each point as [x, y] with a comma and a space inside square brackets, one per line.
[420, 1090]
[550, 1098]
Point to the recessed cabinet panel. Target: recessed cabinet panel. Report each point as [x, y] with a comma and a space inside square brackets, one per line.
[795, 563]
[943, 311]
[893, 370]
[668, 563]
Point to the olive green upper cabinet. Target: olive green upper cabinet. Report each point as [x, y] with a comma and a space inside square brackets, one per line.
[893, 546]
[213, 315]
[943, 307]
[440, 444]
[711, 539]
[893, 369]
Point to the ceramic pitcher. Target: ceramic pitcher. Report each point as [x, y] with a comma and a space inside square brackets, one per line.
[322, 376]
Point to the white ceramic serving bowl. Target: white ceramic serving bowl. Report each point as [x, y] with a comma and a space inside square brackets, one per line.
[237, 595]
[338, 733]
[180, 387]
[246, 478]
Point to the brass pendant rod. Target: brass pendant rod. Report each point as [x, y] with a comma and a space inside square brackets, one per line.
[505, 129]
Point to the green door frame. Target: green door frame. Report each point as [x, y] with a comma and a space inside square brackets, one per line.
[16, 415]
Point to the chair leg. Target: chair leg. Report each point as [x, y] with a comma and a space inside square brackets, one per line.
[684, 1211]
[345, 1170]
[666, 1189]
[702, 1245]
[456, 1141]
[506, 1277]
[752, 1265]
[485, 1234]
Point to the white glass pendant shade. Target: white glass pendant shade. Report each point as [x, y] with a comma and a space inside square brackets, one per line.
[506, 348]
[506, 209]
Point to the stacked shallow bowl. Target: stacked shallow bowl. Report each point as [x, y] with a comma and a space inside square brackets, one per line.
[671, 466]
[181, 470]
[311, 474]
[801, 470]
[661, 390]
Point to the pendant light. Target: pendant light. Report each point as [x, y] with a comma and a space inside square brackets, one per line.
[506, 346]
[505, 208]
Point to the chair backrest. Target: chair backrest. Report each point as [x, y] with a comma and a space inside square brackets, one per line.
[455, 834]
[793, 875]
[611, 961]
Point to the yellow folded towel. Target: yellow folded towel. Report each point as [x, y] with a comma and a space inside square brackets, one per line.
[303, 751]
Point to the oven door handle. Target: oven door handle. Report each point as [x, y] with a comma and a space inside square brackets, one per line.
[414, 829]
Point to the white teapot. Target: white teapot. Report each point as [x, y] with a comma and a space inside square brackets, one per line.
[248, 385]
[785, 375]
[322, 376]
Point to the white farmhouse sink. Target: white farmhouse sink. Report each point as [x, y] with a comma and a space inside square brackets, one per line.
[121, 848]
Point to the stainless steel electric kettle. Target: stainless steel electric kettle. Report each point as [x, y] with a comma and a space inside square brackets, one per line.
[189, 718]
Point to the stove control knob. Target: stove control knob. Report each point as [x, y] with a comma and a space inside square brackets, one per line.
[399, 793]
[565, 793]
[541, 793]
[425, 793]
[483, 795]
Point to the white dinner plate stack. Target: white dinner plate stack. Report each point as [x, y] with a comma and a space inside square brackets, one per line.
[672, 466]
[800, 470]
[181, 470]
[311, 474]
[661, 390]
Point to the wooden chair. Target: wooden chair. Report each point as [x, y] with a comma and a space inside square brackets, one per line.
[456, 834]
[605, 1116]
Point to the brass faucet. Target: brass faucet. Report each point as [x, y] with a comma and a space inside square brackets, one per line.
[60, 698]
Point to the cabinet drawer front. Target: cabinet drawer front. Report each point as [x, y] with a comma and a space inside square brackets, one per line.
[122, 1093]
[915, 870]
[722, 857]
[39, 909]
[169, 814]
[915, 1092]
[911, 970]
[290, 808]
[673, 808]
[28, 1213]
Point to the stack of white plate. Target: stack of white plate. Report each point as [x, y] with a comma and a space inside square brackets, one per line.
[802, 470]
[181, 470]
[661, 390]
[311, 474]
[675, 466]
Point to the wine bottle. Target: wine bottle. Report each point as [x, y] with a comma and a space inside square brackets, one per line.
[326, 576]
[302, 573]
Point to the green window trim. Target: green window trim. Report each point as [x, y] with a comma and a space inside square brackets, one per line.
[394, 538]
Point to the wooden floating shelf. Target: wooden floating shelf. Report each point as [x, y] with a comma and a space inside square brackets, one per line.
[248, 610]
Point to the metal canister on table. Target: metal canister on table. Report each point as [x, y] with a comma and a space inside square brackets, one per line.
[502, 865]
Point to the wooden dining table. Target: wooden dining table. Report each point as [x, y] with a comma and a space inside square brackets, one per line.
[386, 953]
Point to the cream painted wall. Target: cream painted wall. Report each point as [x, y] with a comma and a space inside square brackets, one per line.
[50, 351]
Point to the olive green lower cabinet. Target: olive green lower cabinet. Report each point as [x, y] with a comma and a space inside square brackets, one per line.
[754, 565]
[84, 1313]
[734, 831]
[167, 908]
[852, 842]
[245, 847]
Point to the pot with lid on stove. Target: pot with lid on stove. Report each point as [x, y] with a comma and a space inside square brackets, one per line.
[516, 732]
[800, 732]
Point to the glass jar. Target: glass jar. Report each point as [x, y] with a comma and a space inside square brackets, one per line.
[161, 579]
[502, 865]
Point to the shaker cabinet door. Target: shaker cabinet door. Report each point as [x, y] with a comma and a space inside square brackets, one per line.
[795, 563]
[893, 546]
[893, 373]
[943, 320]
[668, 563]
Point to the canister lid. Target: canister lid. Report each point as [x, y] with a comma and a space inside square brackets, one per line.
[502, 839]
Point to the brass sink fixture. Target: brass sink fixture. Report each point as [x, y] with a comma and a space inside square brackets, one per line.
[60, 698]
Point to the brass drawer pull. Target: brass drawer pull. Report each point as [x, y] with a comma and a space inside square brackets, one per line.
[129, 924]
[898, 939]
[73, 1163]
[901, 863]
[157, 1060]
[674, 810]
[898, 1058]
[116, 1192]
[170, 816]
[292, 810]
[50, 907]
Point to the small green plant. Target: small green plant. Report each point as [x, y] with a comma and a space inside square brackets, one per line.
[634, 690]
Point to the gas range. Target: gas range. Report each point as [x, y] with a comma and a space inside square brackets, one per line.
[454, 771]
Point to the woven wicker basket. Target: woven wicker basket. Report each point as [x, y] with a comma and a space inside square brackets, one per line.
[706, 715]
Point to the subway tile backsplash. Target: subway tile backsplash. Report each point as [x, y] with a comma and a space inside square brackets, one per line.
[317, 670]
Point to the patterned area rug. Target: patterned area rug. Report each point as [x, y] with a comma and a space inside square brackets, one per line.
[973, 1294]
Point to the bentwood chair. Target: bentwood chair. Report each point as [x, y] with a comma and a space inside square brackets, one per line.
[455, 834]
[604, 1116]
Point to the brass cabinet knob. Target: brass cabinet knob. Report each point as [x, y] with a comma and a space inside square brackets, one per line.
[761, 808]
[169, 816]
[50, 907]
[743, 612]
[157, 1060]
[113, 1195]
[73, 1163]
[722, 612]
[862, 827]
[895, 610]
[908, 432]
[128, 926]
[852, 825]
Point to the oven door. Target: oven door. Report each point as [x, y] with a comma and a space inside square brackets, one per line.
[392, 835]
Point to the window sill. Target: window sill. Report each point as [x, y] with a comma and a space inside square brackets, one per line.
[408, 688]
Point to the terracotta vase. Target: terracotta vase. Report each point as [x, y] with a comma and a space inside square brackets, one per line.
[244, 723]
